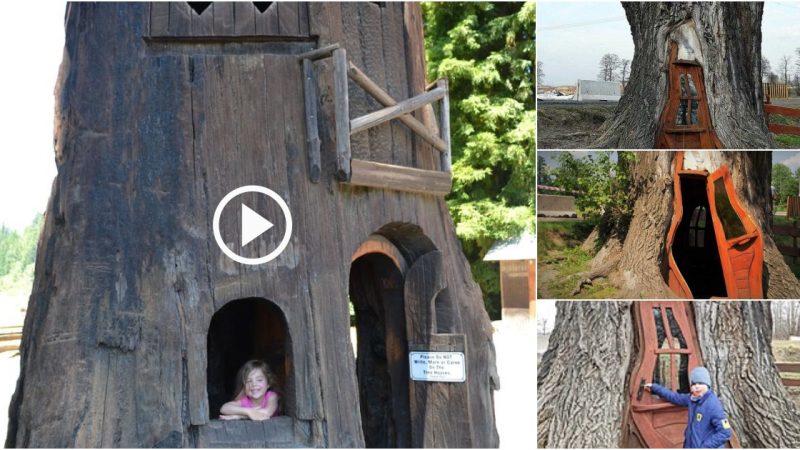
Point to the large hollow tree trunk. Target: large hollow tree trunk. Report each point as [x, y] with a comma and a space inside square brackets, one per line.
[638, 267]
[584, 375]
[729, 40]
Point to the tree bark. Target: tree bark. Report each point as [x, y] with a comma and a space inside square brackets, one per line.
[639, 269]
[735, 339]
[729, 37]
[583, 376]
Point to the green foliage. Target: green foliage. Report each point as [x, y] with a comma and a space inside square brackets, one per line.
[486, 51]
[601, 185]
[17, 256]
[785, 182]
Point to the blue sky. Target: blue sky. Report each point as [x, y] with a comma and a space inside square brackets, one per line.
[571, 37]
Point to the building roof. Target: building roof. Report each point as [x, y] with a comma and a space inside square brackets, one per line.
[517, 248]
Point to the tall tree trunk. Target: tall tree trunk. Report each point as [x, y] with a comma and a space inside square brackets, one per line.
[639, 266]
[584, 375]
[729, 40]
[735, 339]
[586, 365]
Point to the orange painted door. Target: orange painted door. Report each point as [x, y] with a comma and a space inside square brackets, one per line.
[740, 243]
[668, 352]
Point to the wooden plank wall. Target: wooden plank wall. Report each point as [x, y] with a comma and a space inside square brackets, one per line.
[228, 19]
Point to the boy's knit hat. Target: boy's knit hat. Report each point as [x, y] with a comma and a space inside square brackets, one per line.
[700, 375]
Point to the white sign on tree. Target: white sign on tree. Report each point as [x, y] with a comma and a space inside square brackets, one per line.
[438, 366]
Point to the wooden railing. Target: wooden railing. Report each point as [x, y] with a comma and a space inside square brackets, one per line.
[781, 111]
[10, 338]
[785, 367]
[369, 173]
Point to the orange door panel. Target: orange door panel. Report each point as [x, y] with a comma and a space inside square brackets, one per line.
[740, 243]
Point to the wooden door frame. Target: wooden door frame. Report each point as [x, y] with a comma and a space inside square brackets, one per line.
[704, 127]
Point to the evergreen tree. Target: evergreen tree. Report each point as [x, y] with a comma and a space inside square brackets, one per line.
[486, 50]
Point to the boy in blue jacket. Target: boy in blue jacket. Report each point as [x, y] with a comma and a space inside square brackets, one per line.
[708, 426]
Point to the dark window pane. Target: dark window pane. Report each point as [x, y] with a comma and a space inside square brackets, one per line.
[661, 335]
[681, 117]
[683, 86]
[701, 238]
[731, 223]
[677, 335]
[695, 105]
[692, 239]
[701, 222]
[692, 90]
[695, 216]
[683, 375]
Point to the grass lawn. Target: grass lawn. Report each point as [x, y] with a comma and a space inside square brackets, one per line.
[561, 260]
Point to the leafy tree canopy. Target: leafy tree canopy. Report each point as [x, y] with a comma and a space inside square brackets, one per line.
[486, 50]
[784, 181]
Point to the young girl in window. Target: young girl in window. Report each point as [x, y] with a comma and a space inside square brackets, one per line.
[254, 399]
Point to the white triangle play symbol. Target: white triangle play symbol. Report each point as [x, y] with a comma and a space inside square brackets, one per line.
[253, 225]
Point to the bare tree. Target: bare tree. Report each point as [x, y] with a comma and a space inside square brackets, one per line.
[539, 73]
[783, 67]
[766, 69]
[624, 66]
[608, 67]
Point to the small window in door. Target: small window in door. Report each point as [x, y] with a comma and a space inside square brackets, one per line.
[689, 102]
[697, 227]
[731, 223]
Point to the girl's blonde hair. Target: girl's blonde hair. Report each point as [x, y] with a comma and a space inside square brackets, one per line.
[249, 366]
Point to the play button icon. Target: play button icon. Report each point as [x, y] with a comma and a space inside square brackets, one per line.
[253, 225]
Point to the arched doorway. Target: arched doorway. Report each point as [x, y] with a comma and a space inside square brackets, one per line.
[376, 293]
[244, 329]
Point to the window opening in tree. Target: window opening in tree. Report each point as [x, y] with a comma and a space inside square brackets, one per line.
[245, 329]
[731, 223]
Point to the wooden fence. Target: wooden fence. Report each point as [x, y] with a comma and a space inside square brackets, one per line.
[776, 90]
[781, 111]
[791, 231]
[785, 367]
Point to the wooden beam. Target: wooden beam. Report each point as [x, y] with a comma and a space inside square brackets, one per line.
[790, 382]
[785, 230]
[319, 53]
[342, 108]
[384, 115]
[312, 128]
[784, 129]
[788, 367]
[361, 79]
[788, 251]
[782, 110]
[444, 127]
[399, 178]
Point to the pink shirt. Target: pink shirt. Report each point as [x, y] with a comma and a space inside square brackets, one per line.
[245, 402]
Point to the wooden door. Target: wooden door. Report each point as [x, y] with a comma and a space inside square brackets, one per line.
[686, 121]
[740, 243]
[668, 352]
